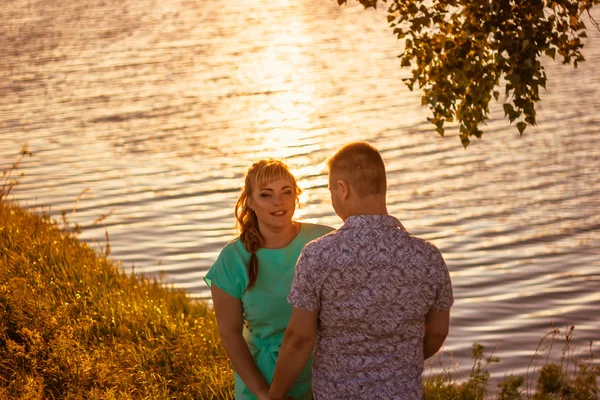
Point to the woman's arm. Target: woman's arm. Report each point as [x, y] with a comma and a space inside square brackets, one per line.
[228, 310]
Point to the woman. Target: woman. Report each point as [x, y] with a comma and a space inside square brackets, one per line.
[252, 277]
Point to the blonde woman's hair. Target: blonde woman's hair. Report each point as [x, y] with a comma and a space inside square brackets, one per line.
[259, 175]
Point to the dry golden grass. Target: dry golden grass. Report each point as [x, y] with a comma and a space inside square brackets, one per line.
[73, 325]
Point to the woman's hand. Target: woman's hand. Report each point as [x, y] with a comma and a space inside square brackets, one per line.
[267, 397]
[264, 395]
[228, 311]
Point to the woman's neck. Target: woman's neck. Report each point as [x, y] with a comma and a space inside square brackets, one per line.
[279, 237]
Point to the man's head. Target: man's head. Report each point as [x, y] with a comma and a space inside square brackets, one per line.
[357, 180]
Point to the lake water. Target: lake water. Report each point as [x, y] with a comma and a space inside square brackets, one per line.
[143, 116]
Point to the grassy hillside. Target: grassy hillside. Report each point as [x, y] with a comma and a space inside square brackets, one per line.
[73, 325]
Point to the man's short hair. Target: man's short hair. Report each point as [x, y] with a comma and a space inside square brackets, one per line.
[361, 166]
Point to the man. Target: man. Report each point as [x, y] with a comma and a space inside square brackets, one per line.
[372, 299]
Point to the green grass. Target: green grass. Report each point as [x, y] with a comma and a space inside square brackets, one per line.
[573, 378]
[73, 325]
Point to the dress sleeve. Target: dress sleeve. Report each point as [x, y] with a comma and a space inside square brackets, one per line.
[444, 298]
[304, 293]
[227, 275]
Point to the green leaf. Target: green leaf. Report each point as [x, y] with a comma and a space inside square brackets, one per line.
[464, 139]
[574, 21]
[400, 33]
[459, 52]
[530, 120]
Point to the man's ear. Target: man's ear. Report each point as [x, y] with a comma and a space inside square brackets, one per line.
[343, 188]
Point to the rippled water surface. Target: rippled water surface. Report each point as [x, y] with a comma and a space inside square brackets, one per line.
[143, 116]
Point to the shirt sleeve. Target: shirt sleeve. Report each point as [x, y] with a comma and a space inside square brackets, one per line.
[444, 298]
[304, 293]
[227, 276]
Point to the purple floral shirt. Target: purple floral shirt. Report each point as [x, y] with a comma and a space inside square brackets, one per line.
[372, 283]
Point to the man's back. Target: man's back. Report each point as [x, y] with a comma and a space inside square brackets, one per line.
[372, 283]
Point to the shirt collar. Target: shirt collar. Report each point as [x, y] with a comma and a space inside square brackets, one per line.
[373, 221]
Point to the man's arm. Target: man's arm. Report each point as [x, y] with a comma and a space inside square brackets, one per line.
[437, 324]
[295, 350]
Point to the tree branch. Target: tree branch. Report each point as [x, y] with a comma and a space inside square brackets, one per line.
[594, 22]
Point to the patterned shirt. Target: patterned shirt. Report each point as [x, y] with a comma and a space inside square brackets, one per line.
[372, 283]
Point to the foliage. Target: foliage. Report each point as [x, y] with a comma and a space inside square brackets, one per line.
[510, 388]
[75, 326]
[462, 51]
[444, 387]
[554, 381]
[8, 181]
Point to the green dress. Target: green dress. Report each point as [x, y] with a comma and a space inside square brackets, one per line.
[266, 310]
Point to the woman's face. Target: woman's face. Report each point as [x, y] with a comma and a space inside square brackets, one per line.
[274, 204]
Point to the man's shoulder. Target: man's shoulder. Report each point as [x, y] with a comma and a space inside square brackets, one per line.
[324, 242]
[424, 248]
[420, 242]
